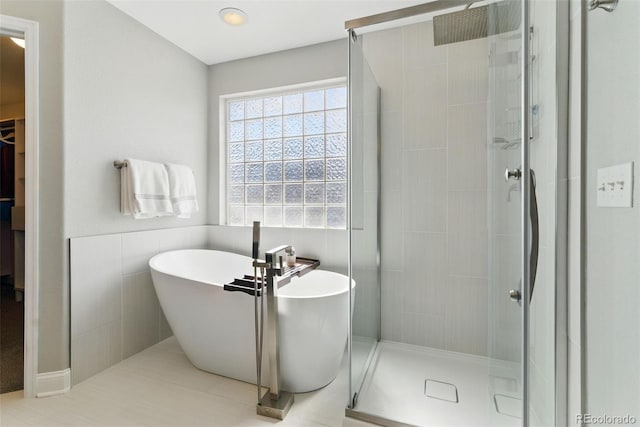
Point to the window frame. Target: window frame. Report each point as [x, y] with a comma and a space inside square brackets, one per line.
[223, 142]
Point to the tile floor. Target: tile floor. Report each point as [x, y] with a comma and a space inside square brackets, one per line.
[159, 387]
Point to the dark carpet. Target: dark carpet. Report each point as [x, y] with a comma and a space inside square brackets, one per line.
[11, 340]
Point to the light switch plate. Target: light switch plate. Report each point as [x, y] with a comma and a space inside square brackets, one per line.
[615, 186]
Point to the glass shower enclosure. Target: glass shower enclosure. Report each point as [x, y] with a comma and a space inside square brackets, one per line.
[457, 199]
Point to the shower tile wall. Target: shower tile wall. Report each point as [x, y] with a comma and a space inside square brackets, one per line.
[434, 187]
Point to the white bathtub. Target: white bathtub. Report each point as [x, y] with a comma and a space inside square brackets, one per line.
[215, 328]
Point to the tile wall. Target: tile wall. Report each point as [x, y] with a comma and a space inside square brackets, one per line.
[115, 312]
[434, 187]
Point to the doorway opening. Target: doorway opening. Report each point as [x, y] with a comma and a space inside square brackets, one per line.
[19, 210]
[12, 208]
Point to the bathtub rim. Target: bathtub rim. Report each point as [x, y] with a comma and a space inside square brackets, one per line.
[153, 265]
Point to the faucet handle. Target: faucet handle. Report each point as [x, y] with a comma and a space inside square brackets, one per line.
[255, 247]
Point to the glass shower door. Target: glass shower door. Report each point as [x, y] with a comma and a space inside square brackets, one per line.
[527, 193]
[364, 239]
[504, 151]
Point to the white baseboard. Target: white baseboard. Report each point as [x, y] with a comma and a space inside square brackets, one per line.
[52, 383]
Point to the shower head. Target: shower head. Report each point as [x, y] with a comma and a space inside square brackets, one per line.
[476, 23]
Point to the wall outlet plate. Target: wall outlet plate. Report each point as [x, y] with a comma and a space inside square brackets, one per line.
[615, 186]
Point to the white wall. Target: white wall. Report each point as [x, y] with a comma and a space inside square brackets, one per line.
[128, 93]
[53, 349]
[114, 89]
[612, 291]
[434, 187]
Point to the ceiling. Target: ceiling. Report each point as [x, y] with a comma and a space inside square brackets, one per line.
[195, 27]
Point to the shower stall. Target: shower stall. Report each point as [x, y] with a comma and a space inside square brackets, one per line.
[458, 214]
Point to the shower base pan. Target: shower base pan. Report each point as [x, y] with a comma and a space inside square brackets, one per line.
[409, 385]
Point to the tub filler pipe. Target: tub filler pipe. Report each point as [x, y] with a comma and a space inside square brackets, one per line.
[276, 402]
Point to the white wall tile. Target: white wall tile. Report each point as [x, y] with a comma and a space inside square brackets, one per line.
[391, 137]
[367, 305]
[467, 254]
[137, 249]
[95, 350]
[504, 316]
[429, 150]
[232, 239]
[383, 50]
[466, 315]
[419, 50]
[308, 242]
[392, 291]
[425, 275]
[140, 308]
[182, 238]
[114, 309]
[424, 115]
[467, 144]
[467, 213]
[96, 275]
[423, 329]
[336, 253]
[425, 190]
[391, 239]
[467, 72]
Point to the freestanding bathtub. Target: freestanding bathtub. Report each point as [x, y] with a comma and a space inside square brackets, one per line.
[215, 328]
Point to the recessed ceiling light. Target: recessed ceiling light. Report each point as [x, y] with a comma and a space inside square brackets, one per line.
[19, 42]
[233, 16]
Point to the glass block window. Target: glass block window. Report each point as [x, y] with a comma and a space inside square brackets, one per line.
[286, 157]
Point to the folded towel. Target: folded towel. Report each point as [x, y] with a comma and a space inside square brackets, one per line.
[182, 187]
[145, 189]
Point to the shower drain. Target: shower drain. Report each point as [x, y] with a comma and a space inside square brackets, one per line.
[441, 390]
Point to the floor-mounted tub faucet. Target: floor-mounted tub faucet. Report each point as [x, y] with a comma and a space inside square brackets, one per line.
[275, 403]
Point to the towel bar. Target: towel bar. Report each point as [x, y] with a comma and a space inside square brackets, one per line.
[118, 164]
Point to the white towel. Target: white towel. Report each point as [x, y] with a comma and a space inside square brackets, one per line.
[182, 187]
[145, 189]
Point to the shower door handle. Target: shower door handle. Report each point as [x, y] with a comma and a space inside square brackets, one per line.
[535, 234]
[514, 294]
